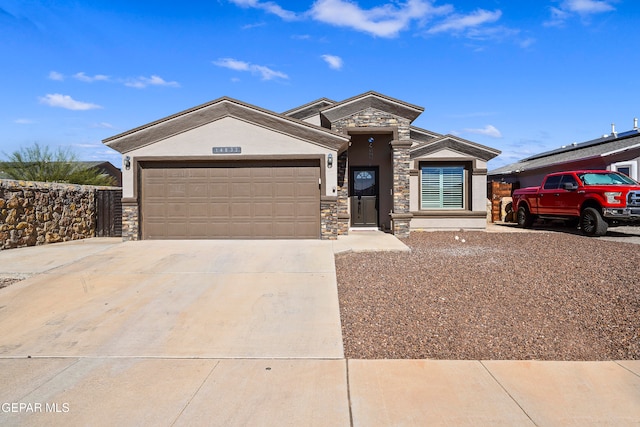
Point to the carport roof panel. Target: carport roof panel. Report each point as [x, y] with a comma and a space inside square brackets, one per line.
[217, 109]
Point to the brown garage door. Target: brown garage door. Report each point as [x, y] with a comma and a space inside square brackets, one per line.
[259, 200]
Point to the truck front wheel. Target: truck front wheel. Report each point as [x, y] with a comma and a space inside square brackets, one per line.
[525, 219]
[592, 223]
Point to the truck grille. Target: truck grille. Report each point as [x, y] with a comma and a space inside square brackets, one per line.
[633, 199]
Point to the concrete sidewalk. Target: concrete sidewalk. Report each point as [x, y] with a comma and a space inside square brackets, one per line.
[232, 333]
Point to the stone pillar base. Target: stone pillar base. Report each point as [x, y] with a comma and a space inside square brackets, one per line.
[130, 220]
[343, 224]
[329, 218]
[400, 223]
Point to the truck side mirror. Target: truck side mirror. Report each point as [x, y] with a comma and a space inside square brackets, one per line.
[570, 186]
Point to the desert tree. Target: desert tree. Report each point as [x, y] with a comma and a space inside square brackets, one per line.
[36, 163]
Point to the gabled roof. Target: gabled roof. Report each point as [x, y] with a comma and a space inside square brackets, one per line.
[371, 99]
[215, 110]
[420, 135]
[596, 148]
[456, 144]
[310, 109]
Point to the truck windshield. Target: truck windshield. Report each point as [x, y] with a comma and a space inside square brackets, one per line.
[609, 178]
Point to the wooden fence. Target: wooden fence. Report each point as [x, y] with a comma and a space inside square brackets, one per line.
[109, 213]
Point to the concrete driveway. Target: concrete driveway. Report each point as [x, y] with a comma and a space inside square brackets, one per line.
[228, 333]
[180, 332]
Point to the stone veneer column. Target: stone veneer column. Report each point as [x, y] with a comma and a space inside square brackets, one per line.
[328, 218]
[130, 220]
[401, 216]
[342, 208]
[373, 118]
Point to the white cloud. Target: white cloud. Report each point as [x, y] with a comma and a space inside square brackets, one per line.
[383, 21]
[267, 6]
[103, 125]
[587, 6]
[391, 18]
[264, 72]
[583, 8]
[65, 101]
[458, 23]
[232, 64]
[23, 121]
[335, 62]
[89, 79]
[527, 42]
[142, 82]
[54, 75]
[488, 130]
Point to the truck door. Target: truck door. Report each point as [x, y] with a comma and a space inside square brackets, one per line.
[548, 194]
[569, 198]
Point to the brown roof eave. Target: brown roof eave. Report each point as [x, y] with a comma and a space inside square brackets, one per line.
[223, 107]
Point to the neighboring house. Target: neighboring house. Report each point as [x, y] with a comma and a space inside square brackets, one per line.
[617, 151]
[227, 169]
[104, 167]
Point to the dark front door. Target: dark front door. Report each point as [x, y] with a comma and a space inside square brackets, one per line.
[364, 197]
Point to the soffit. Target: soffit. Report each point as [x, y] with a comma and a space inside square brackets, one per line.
[215, 110]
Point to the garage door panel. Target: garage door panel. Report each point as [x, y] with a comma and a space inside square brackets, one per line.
[241, 210]
[198, 210]
[284, 209]
[240, 173]
[240, 190]
[220, 210]
[259, 200]
[263, 210]
[198, 189]
[199, 173]
[177, 190]
[218, 229]
[197, 230]
[285, 190]
[304, 228]
[221, 189]
[265, 172]
[155, 190]
[263, 189]
[177, 173]
[307, 210]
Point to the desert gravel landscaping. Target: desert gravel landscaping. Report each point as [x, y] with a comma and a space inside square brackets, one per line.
[477, 295]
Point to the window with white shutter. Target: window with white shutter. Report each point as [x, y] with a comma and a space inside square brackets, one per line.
[442, 187]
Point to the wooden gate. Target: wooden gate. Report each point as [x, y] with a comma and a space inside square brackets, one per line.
[109, 213]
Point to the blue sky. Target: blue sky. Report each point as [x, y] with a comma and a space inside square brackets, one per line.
[519, 76]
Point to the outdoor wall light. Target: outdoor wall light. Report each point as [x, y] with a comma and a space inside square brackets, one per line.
[371, 140]
[330, 160]
[127, 163]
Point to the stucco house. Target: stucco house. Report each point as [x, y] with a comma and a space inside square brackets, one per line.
[617, 151]
[228, 169]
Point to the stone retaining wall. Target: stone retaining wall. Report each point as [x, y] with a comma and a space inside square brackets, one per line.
[37, 213]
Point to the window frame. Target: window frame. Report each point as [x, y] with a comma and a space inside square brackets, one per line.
[466, 184]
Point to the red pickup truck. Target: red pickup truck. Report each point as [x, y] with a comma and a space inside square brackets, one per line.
[592, 199]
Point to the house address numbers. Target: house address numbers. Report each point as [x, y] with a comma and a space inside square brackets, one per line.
[227, 150]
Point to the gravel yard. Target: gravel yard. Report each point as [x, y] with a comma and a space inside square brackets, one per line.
[477, 295]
